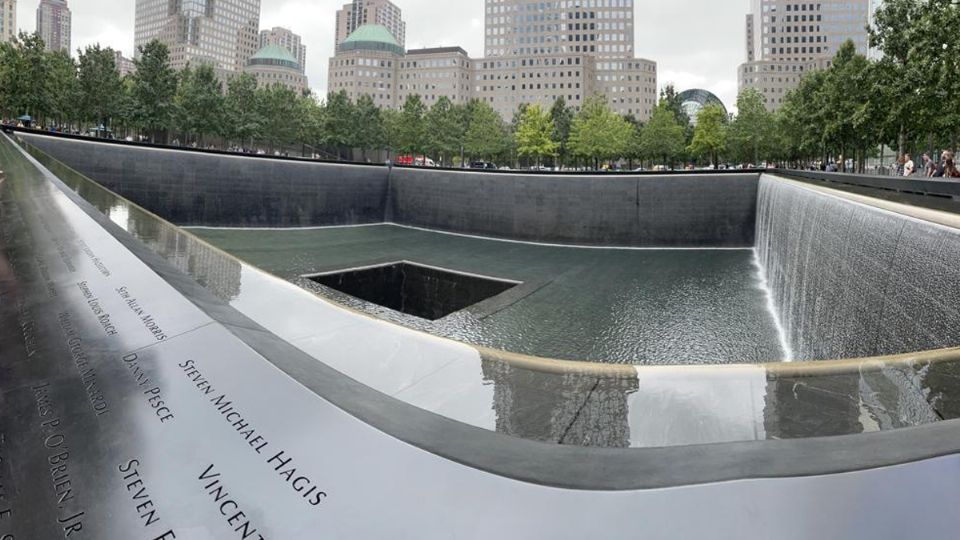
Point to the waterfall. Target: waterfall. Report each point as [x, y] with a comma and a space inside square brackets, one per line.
[851, 280]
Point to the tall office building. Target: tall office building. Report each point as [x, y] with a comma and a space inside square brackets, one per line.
[8, 20]
[360, 12]
[53, 24]
[787, 38]
[223, 33]
[535, 53]
[125, 66]
[288, 40]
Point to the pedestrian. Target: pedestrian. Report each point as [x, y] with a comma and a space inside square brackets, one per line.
[909, 167]
[940, 168]
[929, 165]
[949, 167]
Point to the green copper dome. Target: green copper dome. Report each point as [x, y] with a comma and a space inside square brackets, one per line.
[274, 55]
[371, 37]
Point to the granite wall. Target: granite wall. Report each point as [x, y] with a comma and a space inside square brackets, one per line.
[196, 188]
[715, 210]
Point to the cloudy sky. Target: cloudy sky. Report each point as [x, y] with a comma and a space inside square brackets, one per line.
[696, 43]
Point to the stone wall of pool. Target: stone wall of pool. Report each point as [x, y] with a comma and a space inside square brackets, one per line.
[219, 190]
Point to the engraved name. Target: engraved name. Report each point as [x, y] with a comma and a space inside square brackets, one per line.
[279, 460]
[147, 319]
[88, 375]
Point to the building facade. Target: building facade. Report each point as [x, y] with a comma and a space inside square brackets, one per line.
[542, 45]
[535, 54]
[367, 63]
[274, 64]
[435, 73]
[223, 33]
[8, 20]
[54, 25]
[287, 39]
[787, 38]
[362, 12]
[125, 66]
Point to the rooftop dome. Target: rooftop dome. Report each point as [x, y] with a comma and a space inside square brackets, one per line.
[371, 37]
[693, 101]
[274, 55]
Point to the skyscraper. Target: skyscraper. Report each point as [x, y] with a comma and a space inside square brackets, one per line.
[360, 12]
[8, 20]
[53, 24]
[539, 51]
[223, 33]
[536, 53]
[288, 40]
[787, 38]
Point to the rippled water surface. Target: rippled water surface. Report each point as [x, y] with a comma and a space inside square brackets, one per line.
[604, 305]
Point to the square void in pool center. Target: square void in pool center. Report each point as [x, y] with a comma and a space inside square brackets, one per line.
[423, 291]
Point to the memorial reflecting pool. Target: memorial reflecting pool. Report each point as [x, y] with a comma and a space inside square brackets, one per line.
[626, 306]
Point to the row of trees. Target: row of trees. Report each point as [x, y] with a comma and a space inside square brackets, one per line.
[193, 106]
[910, 100]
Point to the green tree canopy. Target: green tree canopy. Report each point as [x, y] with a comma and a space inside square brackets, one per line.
[242, 119]
[535, 134]
[486, 137]
[662, 137]
[369, 132]
[200, 103]
[412, 135]
[751, 132]
[599, 133]
[99, 85]
[710, 135]
[444, 130]
[65, 103]
[154, 89]
[562, 118]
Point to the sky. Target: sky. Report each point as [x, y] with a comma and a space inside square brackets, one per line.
[696, 43]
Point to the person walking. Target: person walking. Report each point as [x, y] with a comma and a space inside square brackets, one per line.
[929, 165]
[909, 167]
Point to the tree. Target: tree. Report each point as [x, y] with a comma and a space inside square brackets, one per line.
[710, 135]
[200, 103]
[391, 129]
[662, 136]
[849, 118]
[485, 137]
[918, 74]
[242, 120]
[339, 123]
[535, 134]
[99, 85]
[444, 130]
[65, 102]
[279, 108]
[154, 88]
[562, 118]
[752, 129]
[412, 130]
[675, 103]
[598, 133]
[369, 125]
[27, 78]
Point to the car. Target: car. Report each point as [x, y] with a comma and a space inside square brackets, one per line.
[483, 165]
